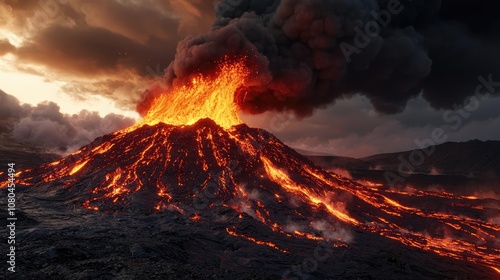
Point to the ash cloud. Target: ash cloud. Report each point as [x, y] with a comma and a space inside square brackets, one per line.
[299, 48]
[46, 127]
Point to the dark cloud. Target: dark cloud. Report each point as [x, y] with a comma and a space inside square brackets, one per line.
[302, 52]
[481, 17]
[121, 92]
[353, 128]
[92, 38]
[45, 126]
[128, 41]
[92, 51]
[10, 110]
[152, 18]
[22, 5]
[138, 22]
[9, 106]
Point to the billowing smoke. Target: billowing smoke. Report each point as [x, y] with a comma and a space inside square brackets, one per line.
[10, 110]
[306, 54]
[331, 232]
[46, 127]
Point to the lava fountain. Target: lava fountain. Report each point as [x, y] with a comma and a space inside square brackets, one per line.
[203, 96]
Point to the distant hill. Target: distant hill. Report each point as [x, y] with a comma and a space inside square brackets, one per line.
[310, 153]
[333, 162]
[24, 156]
[472, 157]
[452, 158]
[462, 168]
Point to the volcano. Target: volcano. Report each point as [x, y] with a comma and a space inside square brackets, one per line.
[191, 155]
[198, 169]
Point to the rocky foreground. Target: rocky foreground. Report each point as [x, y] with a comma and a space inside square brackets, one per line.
[58, 239]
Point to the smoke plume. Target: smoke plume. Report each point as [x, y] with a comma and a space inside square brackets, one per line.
[307, 54]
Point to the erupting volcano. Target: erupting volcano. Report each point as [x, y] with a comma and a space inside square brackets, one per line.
[201, 97]
[192, 154]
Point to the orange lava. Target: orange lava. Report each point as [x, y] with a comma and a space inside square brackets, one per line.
[260, 242]
[195, 217]
[203, 97]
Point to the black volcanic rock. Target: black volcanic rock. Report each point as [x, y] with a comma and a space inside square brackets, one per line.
[23, 155]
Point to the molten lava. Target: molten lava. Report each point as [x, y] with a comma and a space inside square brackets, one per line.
[205, 96]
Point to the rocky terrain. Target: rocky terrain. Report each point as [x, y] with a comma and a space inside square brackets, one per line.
[60, 240]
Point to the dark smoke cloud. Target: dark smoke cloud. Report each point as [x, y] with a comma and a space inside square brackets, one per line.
[10, 110]
[299, 49]
[46, 127]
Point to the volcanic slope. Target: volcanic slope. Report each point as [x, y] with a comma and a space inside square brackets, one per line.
[198, 169]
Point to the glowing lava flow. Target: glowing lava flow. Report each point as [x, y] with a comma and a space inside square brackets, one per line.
[260, 242]
[281, 178]
[465, 239]
[202, 97]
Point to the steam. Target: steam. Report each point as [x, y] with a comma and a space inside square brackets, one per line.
[342, 172]
[10, 110]
[332, 232]
[307, 54]
[329, 231]
[434, 171]
[291, 227]
[46, 127]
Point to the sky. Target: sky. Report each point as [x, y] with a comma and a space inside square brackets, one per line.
[63, 60]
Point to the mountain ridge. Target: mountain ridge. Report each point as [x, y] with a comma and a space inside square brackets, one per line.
[450, 158]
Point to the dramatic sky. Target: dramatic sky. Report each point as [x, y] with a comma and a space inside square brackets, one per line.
[71, 70]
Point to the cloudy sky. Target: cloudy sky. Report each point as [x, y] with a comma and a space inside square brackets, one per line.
[73, 70]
